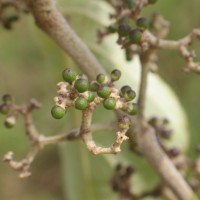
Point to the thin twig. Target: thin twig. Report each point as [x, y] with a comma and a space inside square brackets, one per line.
[86, 135]
[180, 45]
[143, 88]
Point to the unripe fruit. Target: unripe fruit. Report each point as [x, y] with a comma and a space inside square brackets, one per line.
[90, 96]
[115, 75]
[82, 76]
[104, 92]
[132, 109]
[94, 86]
[143, 23]
[124, 89]
[13, 18]
[130, 170]
[124, 122]
[69, 75]
[7, 98]
[118, 167]
[166, 133]
[57, 112]
[81, 103]
[111, 29]
[8, 21]
[10, 122]
[81, 85]
[153, 121]
[123, 29]
[4, 109]
[8, 125]
[129, 95]
[101, 78]
[173, 152]
[135, 36]
[109, 103]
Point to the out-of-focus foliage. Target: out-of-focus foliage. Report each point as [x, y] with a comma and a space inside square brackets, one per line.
[31, 65]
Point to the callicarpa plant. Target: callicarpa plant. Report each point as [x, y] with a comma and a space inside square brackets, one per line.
[87, 86]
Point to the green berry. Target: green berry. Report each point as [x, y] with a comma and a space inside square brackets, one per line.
[104, 92]
[115, 75]
[57, 112]
[10, 122]
[129, 95]
[153, 121]
[124, 89]
[8, 21]
[13, 18]
[135, 36]
[94, 86]
[4, 109]
[124, 122]
[81, 103]
[82, 76]
[90, 96]
[69, 75]
[7, 98]
[166, 133]
[81, 85]
[118, 167]
[109, 103]
[111, 29]
[8, 125]
[132, 109]
[123, 29]
[125, 20]
[143, 23]
[152, 1]
[101, 78]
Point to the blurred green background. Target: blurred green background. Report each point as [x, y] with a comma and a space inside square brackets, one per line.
[30, 67]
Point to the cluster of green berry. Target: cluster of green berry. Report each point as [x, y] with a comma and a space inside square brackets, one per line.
[130, 33]
[6, 108]
[77, 91]
[129, 25]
